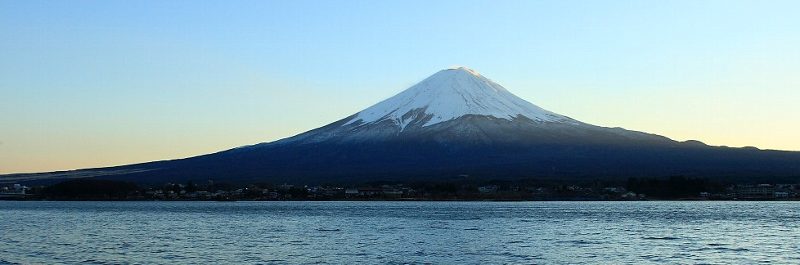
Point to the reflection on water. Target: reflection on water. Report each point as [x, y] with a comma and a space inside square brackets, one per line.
[399, 232]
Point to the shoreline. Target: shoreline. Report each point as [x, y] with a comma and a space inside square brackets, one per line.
[412, 200]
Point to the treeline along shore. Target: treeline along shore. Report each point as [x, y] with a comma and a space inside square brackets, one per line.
[671, 188]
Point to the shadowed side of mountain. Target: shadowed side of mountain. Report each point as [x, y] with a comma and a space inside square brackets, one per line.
[407, 161]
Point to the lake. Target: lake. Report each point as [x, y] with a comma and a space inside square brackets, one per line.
[639, 232]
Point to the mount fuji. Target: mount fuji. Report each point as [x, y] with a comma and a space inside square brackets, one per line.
[460, 106]
[452, 124]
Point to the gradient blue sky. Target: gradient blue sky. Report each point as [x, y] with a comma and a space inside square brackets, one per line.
[100, 83]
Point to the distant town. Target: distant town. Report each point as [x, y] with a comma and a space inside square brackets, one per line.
[673, 188]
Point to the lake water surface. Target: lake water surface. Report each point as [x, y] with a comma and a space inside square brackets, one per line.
[399, 232]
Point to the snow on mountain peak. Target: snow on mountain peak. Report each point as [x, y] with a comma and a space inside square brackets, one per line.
[464, 68]
[450, 94]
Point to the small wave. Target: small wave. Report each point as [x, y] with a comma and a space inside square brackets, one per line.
[93, 261]
[519, 256]
[660, 238]
[295, 243]
[466, 219]
[730, 249]
[360, 254]
[723, 249]
[582, 242]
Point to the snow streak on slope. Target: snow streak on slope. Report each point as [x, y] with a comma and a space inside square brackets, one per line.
[453, 93]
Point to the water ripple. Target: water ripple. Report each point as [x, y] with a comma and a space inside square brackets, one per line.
[399, 232]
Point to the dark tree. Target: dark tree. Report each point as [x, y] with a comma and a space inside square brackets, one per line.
[80, 189]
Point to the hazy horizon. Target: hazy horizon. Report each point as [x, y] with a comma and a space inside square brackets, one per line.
[104, 83]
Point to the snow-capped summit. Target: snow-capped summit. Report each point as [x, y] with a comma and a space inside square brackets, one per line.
[450, 94]
[464, 68]
[459, 105]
